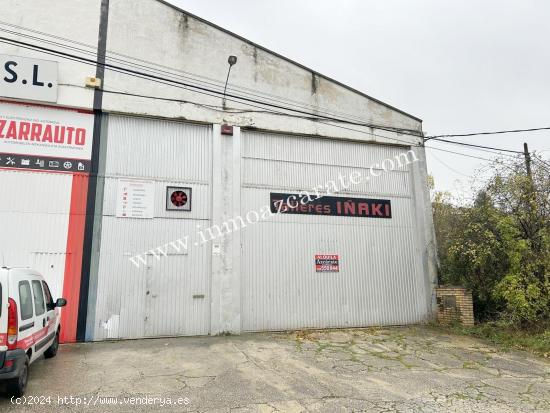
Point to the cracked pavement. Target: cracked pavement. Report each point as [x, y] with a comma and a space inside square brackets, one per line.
[405, 369]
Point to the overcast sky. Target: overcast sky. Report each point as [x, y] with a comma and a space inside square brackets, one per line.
[461, 66]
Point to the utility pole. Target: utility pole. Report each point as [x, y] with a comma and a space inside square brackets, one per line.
[531, 202]
[527, 159]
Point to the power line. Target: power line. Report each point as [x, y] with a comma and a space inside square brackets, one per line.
[494, 151]
[156, 65]
[470, 156]
[542, 162]
[459, 153]
[157, 70]
[220, 109]
[215, 93]
[451, 169]
[476, 146]
[486, 133]
[198, 89]
[204, 91]
[318, 111]
[407, 143]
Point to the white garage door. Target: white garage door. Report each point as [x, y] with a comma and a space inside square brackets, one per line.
[379, 279]
[170, 296]
[34, 222]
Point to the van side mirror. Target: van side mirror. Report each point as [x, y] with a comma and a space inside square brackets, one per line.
[61, 302]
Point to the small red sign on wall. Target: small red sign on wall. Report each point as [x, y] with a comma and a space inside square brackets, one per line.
[327, 263]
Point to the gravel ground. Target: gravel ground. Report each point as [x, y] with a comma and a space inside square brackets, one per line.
[405, 369]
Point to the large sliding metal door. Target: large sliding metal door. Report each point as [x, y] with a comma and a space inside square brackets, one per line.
[380, 279]
[169, 296]
[34, 221]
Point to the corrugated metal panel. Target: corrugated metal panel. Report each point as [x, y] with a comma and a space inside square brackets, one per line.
[152, 148]
[260, 173]
[380, 280]
[155, 299]
[319, 151]
[34, 219]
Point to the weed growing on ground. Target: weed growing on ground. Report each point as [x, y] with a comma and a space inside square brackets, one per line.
[506, 336]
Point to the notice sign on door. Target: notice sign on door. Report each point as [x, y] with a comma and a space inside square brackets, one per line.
[135, 199]
[327, 263]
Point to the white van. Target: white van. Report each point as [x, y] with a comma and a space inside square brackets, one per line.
[29, 325]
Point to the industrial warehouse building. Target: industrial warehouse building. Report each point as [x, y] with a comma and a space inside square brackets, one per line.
[127, 183]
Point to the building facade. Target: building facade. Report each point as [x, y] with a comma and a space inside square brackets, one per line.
[158, 206]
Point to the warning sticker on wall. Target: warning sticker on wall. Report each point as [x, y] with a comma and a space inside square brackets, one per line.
[327, 263]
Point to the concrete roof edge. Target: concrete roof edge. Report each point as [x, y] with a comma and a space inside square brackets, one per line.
[351, 89]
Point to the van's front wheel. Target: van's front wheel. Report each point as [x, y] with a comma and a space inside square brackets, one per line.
[52, 350]
[16, 387]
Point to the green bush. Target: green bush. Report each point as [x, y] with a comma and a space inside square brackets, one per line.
[499, 246]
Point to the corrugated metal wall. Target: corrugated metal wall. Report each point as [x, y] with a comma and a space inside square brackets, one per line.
[380, 279]
[156, 299]
[34, 219]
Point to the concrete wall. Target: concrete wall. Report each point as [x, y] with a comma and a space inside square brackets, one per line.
[186, 48]
[76, 20]
[151, 36]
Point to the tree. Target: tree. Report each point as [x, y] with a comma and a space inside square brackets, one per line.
[498, 246]
[525, 288]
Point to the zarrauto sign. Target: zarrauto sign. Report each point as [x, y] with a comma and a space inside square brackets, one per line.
[330, 205]
[45, 138]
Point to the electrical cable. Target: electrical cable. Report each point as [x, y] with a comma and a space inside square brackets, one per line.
[451, 169]
[470, 156]
[220, 109]
[534, 155]
[476, 146]
[155, 66]
[215, 93]
[182, 85]
[491, 151]
[487, 133]
[459, 153]
[197, 89]
[544, 163]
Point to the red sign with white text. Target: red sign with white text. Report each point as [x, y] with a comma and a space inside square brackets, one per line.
[45, 138]
[327, 263]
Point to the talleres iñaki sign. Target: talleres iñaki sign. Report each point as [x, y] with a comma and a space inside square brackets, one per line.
[330, 205]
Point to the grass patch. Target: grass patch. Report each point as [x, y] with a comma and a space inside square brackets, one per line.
[505, 336]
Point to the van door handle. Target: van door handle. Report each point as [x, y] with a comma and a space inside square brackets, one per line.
[43, 322]
[26, 326]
